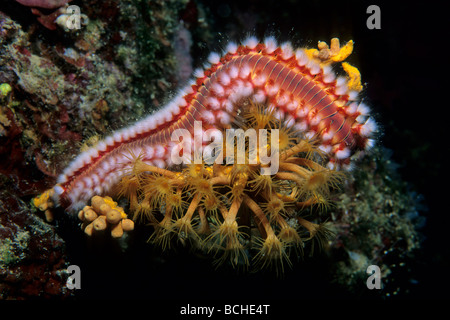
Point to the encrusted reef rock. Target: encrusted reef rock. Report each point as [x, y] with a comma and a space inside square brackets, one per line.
[377, 222]
[60, 89]
[33, 261]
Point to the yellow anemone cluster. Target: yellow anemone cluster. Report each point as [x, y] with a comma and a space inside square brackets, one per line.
[234, 211]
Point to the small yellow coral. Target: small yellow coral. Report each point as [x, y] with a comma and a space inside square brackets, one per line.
[354, 82]
[335, 53]
[5, 89]
[45, 203]
[330, 54]
[104, 213]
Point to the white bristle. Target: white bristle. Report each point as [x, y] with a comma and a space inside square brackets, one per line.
[290, 121]
[93, 153]
[214, 58]
[301, 57]
[361, 119]
[352, 95]
[250, 42]
[286, 51]
[279, 114]
[351, 108]
[149, 152]
[87, 182]
[198, 73]
[331, 165]
[329, 78]
[260, 96]
[282, 100]
[85, 158]
[214, 103]
[58, 189]
[159, 119]
[368, 128]
[341, 81]
[271, 44]
[235, 95]
[293, 105]
[247, 89]
[208, 116]
[139, 127]
[117, 136]
[175, 109]
[244, 71]
[325, 148]
[313, 67]
[327, 69]
[218, 89]
[224, 78]
[301, 126]
[168, 116]
[109, 141]
[129, 133]
[159, 163]
[363, 109]
[227, 106]
[150, 122]
[105, 166]
[188, 88]
[272, 90]
[96, 180]
[370, 143]
[181, 101]
[302, 112]
[98, 189]
[62, 178]
[159, 151]
[101, 146]
[327, 135]
[206, 66]
[231, 47]
[234, 72]
[310, 134]
[224, 118]
[343, 154]
[341, 90]
[315, 120]
[259, 80]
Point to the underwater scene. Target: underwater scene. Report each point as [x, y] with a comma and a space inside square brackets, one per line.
[214, 150]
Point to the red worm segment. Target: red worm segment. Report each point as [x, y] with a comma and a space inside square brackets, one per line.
[304, 94]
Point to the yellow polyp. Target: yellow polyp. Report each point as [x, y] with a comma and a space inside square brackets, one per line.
[326, 55]
[312, 53]
[343, 52]
[335, 53]
[354, 82]
[109, 201]
[42, 201]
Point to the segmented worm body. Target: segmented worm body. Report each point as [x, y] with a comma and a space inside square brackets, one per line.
[304, 94]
